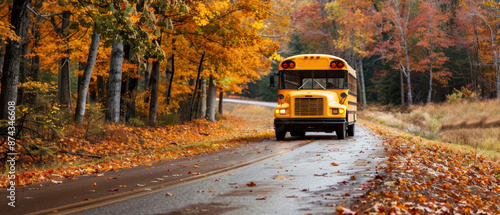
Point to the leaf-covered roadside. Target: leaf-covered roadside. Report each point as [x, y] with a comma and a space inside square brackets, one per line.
[120, 147]
[428, 177]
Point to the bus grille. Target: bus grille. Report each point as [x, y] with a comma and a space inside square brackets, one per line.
[308, 106]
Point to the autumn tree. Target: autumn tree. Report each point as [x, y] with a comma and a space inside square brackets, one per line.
[431, 25]
[313, 30]
[356, 29]
[10, 71]
[115, 82]
[398, 15]
[487, 14]
[86, 78]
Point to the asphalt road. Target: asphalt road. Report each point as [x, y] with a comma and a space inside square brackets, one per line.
[295, 181]
[294, 176]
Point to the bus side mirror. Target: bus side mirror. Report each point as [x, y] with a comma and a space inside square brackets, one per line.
[271, 80]
[344, 96]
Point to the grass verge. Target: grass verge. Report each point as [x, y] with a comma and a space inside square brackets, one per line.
[474, 123]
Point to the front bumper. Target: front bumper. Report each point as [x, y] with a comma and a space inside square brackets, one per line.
[308, 124]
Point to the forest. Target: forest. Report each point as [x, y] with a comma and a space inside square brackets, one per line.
[156, 62]
[407, 51]
[131, 60]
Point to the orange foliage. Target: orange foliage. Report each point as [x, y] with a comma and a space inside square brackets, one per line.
[430, 177]
[127, 147]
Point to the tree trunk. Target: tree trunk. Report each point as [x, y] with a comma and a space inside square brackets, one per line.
[87, 74]
[1, 52]
[429, 94]
[23, 71]
[431, 31]
[81, 66]
[362, 77]
[10, 71]
[147, 83]
[172, 72]
[64, 72]
[193, 98]
[115, 82]
[408, 75]
[221, 97]
[23, 68]
[212, 93]
[131, 95]
[101, 89]
[35, 70]
[402, 84]
[202, 112]
[153, 105]
[125, 82]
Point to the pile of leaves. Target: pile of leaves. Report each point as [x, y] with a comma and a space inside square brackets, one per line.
[428, 177]
[118, 146]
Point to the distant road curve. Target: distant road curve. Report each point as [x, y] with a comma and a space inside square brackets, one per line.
[266, 104]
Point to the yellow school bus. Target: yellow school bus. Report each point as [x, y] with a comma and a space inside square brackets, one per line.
[316, 93]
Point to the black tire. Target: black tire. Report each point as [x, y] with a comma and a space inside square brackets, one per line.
[298, 133]
[341, 132]
[280, 135]
[350, 130]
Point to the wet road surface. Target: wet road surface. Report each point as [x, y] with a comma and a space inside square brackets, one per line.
[303, 180]
[294, 176]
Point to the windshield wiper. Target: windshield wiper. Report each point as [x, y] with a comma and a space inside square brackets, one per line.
[304, 84]
[320, 85]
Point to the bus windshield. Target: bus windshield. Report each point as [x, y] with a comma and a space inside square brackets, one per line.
[313, 79]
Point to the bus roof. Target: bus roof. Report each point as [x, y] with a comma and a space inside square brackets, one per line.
[305, 61]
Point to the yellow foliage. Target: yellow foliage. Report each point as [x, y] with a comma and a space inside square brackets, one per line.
[7, 32]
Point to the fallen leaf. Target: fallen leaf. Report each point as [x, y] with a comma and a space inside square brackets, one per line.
[251, 184]
[334, 164]
[346, 211]
[169, 194]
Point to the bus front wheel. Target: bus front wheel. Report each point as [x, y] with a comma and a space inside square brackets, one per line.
[350, 130]
[341, 132]
[280, 135]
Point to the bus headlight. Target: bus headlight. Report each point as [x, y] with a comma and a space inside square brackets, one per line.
[282, 111]
[337, 111]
